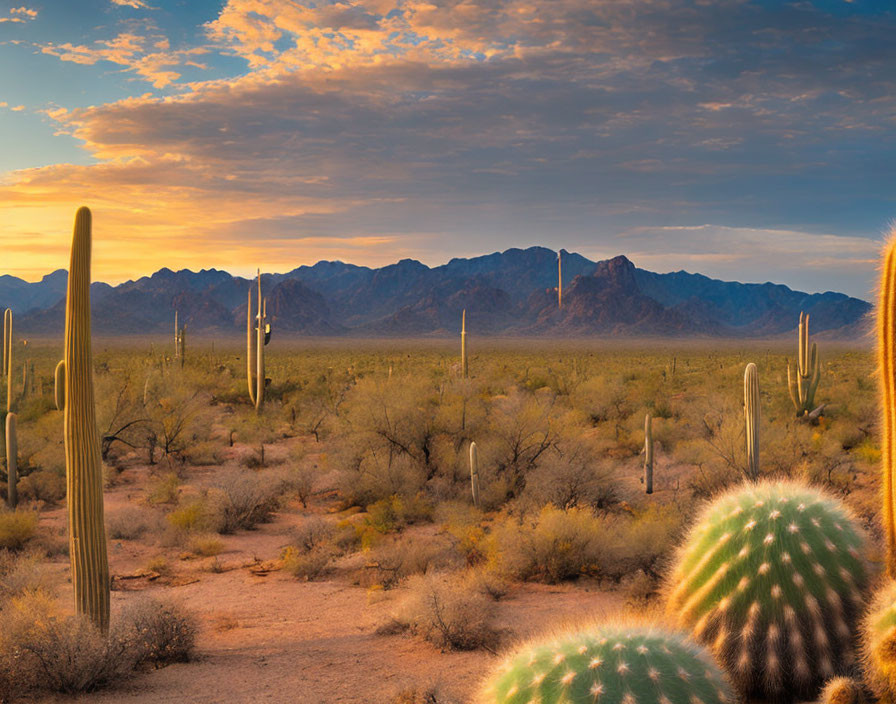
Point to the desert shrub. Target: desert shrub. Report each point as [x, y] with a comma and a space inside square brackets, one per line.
[430, 694]
[164, 490]
[306, 564]
[21, 573]
[204, 453]
[59, 653]
[243, 499]
[639, 542]
[44, 649]
[299, 479]
[487, 582]
[447, 612]
[395, 559]
[130, 523]
[17, 528]
[43, 485]
[553, 546]
[192, 515]
[464, 523]
[158, 632]
[313, 532]
[571, 475]
[205, 545]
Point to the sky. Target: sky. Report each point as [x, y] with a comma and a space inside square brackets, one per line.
[752, 140]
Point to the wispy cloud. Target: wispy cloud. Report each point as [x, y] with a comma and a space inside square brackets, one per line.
[135, 4]
[20, 15]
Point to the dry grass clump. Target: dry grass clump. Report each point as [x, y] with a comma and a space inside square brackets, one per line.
[21, 573]
[399, 557]
[553, 546]
[43, 649]
[242, 499]
[430, 694]
[445, 610]
[42, 485]
[164, 490]
[130, 523]
[17, 528]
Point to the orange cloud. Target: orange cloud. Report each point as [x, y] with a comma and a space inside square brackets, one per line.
[20, 15]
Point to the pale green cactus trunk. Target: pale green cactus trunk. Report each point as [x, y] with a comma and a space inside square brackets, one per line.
[751, 419]
[12, 467]
[180, 341]
[255, 367]
[474, 474]
[7, 345]
[464, 369]
[648, 454]
[808, 373]
[84, 471]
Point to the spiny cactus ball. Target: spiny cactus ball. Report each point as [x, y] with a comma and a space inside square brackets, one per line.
[612, 664]
[771, 578]
[879, 642]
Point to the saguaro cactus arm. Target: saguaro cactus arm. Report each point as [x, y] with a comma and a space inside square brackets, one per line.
[464, 369]
[59, 385]
[84, 477]
[250, 349]
[7, 333]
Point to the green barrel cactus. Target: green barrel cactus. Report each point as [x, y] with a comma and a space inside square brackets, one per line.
[612, 664]
[771, 579]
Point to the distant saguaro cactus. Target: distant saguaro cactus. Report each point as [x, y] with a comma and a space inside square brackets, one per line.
[84, 471]
[474, 473]
[751, 419]
[180, 341]
[464, 369]
[255, 362]
[7, 342]
[808, 373]
[559, 279]
[648, 454]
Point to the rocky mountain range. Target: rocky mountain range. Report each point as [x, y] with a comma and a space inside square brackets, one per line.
[505, 293]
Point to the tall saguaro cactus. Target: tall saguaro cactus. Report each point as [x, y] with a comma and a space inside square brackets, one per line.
[87, 534]
[751, 419]
[808, 373]
[648, 454]
[255, 370]
[474, 473]
[886, 357]
[464, 368]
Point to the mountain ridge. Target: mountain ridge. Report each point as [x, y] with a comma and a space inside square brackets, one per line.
[505, 293]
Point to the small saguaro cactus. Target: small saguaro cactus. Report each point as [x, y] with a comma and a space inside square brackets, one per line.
[464, 369]
[808, 372]
[609, 663]
[771, 578]
[255, 357]
[474, 473]
[12, 466]
[180, 340]
[648, 454]
[84, 470]
[751, 419]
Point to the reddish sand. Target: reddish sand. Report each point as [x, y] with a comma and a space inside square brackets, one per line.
[268, 637]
